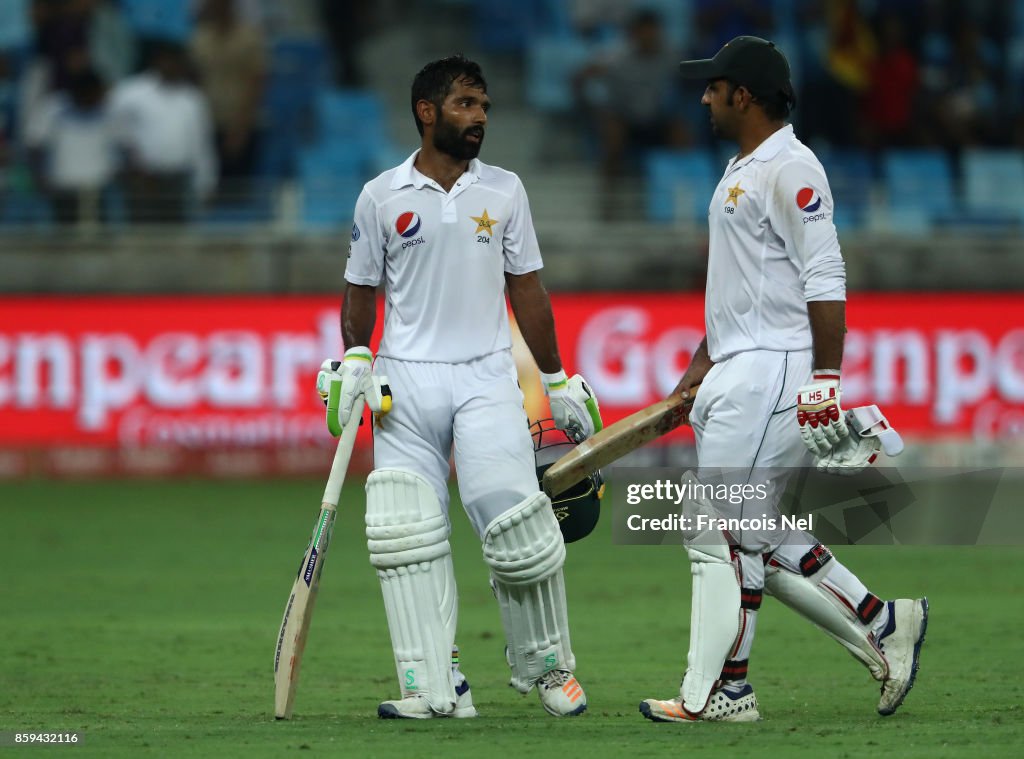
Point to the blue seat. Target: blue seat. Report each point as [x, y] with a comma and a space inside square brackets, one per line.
[994, 184]
[851, 177]
[254, 206]
[551, 63]
[920, 188]
[161, 19]
[680, 185]
[299, 69]
[350, 115]
[331, 176]
[504, 27]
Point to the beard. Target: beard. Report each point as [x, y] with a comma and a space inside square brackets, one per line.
[448, 139]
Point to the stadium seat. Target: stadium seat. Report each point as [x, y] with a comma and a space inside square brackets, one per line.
[919, 184]
[331, 176]
[159, 19]
[298, 70]
[551, 63]
[254, 206]
[680, 185]
[504, 27]
[850, 176]
[353, 116]
[994, 184]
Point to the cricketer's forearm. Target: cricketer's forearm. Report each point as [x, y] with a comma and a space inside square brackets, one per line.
[532, 309]
[358, 315]
[828, 329]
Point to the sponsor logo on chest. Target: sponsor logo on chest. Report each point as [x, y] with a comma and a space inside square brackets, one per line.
[408, 225]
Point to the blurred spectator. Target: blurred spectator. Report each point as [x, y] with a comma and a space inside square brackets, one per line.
[965, 92]
[889, 105]
[633, 96]
[276, 19]
[345, 22]
[232, 62]
[62, 38]
[846, 71]
[165, 129]
[73, 146]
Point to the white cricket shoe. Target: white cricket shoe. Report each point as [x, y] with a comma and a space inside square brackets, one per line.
[900, 643]
[416, 707]
[561, 693]
[411, 707]
[723, 706]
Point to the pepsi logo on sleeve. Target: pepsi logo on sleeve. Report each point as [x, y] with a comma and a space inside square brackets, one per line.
[808, 200]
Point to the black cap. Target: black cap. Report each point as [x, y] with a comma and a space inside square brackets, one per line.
[748, 61]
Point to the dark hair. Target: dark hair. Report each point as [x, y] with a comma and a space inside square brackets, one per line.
[434, 81]
[775, 108]
[85, 82]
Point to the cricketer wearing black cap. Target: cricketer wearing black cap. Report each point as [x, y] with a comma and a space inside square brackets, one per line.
[750, 62]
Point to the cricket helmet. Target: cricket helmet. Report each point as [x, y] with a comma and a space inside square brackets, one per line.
[579, 507]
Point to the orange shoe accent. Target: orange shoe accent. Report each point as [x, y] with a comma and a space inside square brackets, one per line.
[572, 690]
[670, 707]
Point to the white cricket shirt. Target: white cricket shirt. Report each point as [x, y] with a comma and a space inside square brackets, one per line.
[167, 127]
[772, 249]
[442, 257]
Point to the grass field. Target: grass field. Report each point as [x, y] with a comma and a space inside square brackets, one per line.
[144, 615]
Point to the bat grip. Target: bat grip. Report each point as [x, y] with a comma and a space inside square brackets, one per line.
[343, 453]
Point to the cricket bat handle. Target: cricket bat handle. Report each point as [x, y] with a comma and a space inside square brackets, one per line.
[343, 454]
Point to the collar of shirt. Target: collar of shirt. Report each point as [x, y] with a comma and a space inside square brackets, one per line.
[408, 175]
[768, 149]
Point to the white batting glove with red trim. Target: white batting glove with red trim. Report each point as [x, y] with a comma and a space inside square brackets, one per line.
[870, 432]
[821, 420]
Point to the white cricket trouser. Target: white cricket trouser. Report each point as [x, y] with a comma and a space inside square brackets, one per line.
[475, 406]
[744, 421]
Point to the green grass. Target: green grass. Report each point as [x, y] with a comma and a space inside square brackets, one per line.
[144, 615]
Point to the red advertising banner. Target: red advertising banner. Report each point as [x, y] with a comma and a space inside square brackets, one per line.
[202, 373]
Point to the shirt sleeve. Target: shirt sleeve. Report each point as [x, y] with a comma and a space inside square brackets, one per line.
[800, 211]
[519, 239]
[369, 245]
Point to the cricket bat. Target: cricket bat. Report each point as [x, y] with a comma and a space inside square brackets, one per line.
[298, 612]
[614, 442]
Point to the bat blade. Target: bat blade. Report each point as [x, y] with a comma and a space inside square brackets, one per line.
[614, 442]
[298, 612]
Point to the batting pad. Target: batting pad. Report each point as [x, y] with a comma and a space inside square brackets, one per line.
[714, 619]
[407, 534]
[802, 586]
[715, 607]
[524, 549]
